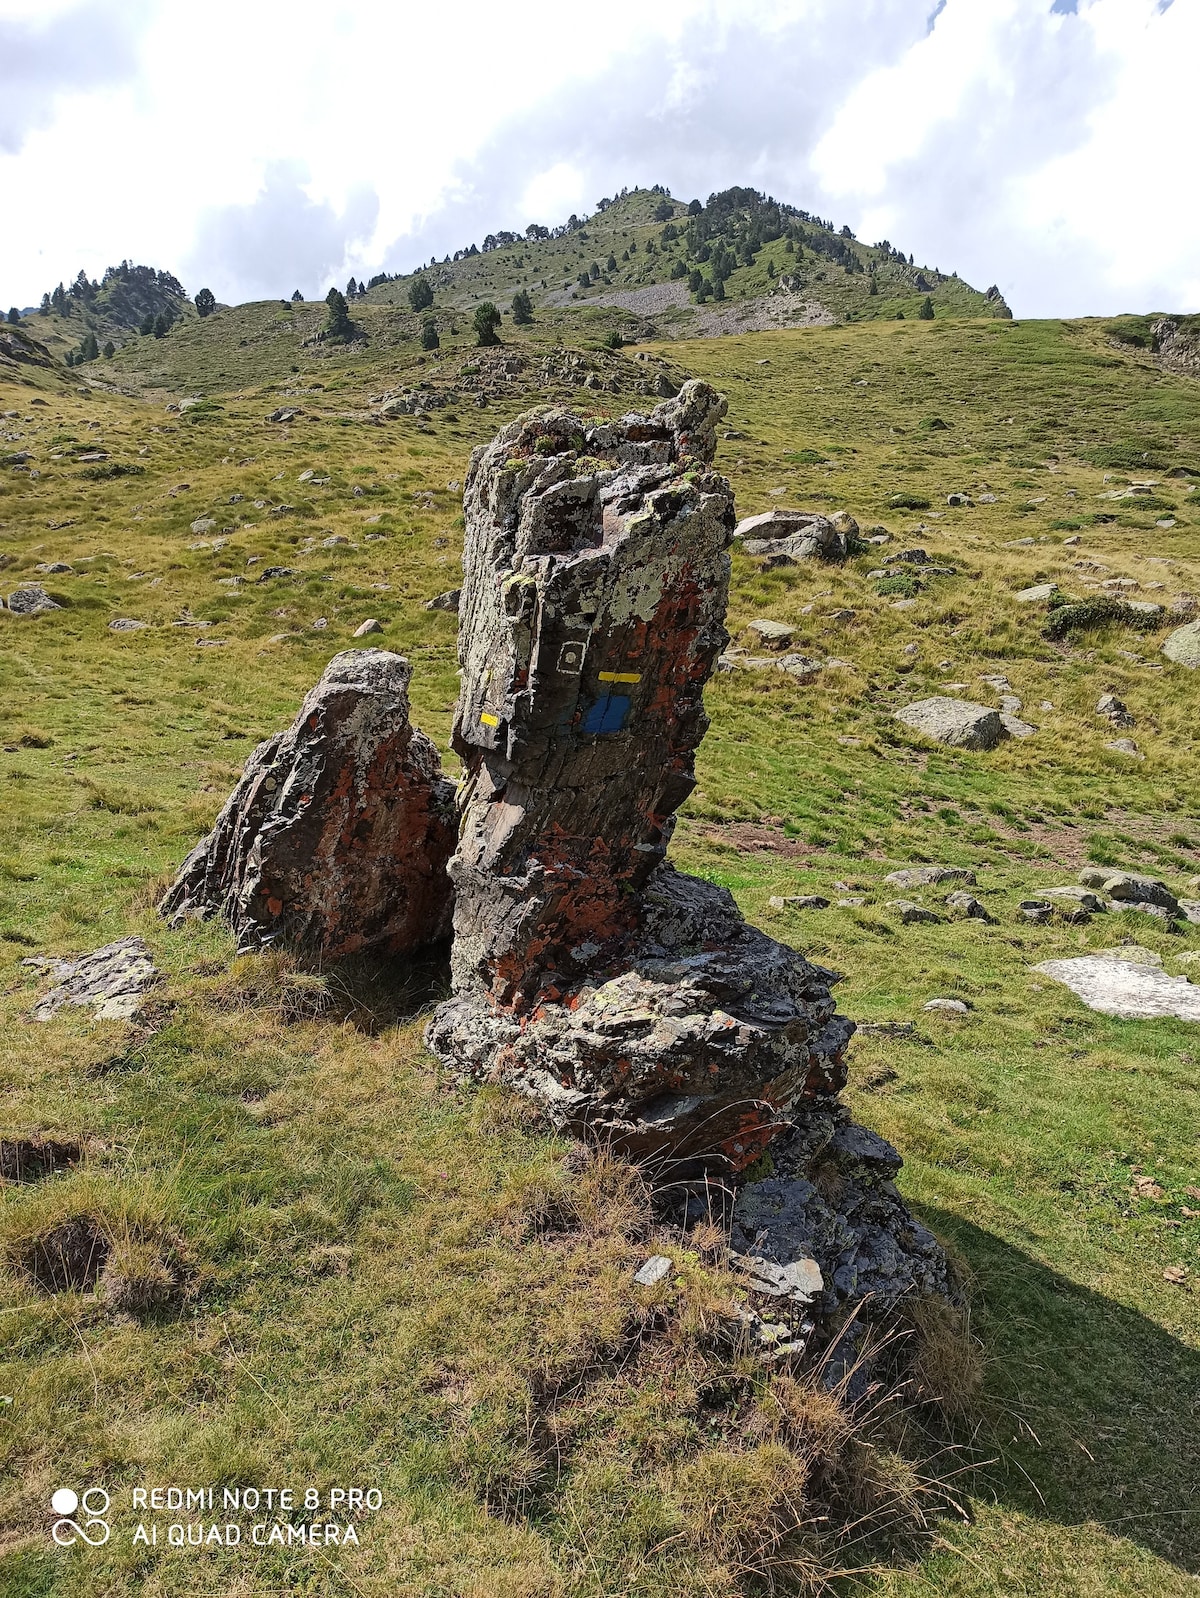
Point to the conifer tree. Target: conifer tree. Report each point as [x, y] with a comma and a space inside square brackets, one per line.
[429, 335]
[522, 308]
[338, 324]
[206, 302]
[925, 314]
[485, 322]
[14, 316]
[420, 295]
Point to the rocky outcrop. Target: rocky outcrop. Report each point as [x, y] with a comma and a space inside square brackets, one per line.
[337, 836]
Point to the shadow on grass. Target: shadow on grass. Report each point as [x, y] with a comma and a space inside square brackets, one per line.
[1092, 1411]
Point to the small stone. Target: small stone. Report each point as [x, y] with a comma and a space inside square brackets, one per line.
[656, 1269]
[1015, 727]
[126, 624]
[1124, 746]
[53, 568]
[1037, 911]
[1084, 898]
[947, 1006]
[113, 980]
[1037, 595]
[306, 476]
[368, 626]
[204, 524]
[447, 601]
[799, 901]
[334, 540]
[1129, 887]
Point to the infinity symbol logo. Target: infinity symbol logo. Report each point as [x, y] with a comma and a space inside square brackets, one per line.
[95, 1503]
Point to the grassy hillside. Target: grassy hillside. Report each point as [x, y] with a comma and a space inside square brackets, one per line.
[386, 1275]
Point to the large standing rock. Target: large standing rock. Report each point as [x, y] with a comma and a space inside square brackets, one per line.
[632, 1003]
[954, 721]
[337, 836]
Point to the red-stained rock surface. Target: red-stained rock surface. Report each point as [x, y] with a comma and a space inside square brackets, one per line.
[337, 836]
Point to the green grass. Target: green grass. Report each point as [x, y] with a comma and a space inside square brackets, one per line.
[369, 1293]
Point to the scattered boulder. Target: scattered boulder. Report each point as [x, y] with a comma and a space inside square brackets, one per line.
[1082, 898]
[1036, 911]
[957, 722]
[1114, 985]
[929, 876]
[966, 904]
[1114, 710]
[112, 980]
[798, 901]
[782, 537]
[1038, 595]
[947, 1006]
[1183, 646]
[365, 628]
[1123, 746]
[1129, 887]
[1190, 910]
[127, 624]
[337, 836]
[909, 912]
[1015, 727]
[31, 599]
[771, 634]
[447, 601]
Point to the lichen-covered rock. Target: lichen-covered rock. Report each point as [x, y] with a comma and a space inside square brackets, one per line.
[337, 836]
[595, 581]
[1182, 646]
[112, 980]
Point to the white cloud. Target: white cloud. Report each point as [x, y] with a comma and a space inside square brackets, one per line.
[273, 144]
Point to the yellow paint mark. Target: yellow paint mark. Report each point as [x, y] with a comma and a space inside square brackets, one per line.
[620, 676]
[489, 721]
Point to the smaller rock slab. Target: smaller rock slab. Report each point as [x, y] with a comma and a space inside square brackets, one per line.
[1120, 988]
[113, 980]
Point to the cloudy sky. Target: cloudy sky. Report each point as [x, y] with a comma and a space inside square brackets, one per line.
[254, 146]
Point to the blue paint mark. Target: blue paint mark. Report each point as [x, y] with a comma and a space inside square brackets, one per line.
[607, 714]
